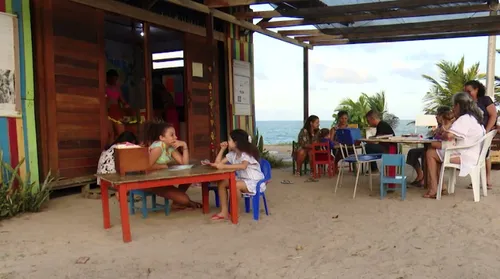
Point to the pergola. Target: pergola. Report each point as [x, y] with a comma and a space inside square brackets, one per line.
[340, 22]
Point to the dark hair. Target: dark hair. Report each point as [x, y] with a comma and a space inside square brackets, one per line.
[373, 114]
[124, 137]
[448, 116]
[442, 110]
[342, 113]
[153, 131]
[324, 132]
[468, 106]
[481, 90]
[241, 139]
[307, 124]
[111, 74]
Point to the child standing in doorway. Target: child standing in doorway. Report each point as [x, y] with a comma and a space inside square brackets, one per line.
[244, 158]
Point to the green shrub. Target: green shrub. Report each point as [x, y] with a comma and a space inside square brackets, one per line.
[19, 196]
[258, 140]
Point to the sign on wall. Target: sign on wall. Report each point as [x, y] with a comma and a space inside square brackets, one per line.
[242, 88]
[10, 99]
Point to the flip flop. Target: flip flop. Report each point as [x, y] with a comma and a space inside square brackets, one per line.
[310, 179]
[286, 182]
[427, 196]
[217, 217]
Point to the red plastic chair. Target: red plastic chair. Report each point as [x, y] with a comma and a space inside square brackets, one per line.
[321, 155]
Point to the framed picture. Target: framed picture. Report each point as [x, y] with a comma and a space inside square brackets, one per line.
[10, 97]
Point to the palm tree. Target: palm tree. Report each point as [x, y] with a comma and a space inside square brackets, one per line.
[452, 78]
[357, 109]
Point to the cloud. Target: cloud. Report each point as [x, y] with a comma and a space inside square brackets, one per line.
[412, 70]
[261, 76]
[343, 75]
[427, 55]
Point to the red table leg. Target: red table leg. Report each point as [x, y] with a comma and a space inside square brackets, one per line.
[233, 198]
[393, 149]
[127, 237]
[105, 204]
[204, 197]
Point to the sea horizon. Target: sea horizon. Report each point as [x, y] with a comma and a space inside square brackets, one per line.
[279, 132]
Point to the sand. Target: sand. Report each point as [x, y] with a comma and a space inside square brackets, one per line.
[302, 238]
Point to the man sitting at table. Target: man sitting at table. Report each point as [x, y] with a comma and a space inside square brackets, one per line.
[383, 129]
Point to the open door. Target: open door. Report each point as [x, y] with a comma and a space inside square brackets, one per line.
[201, 97]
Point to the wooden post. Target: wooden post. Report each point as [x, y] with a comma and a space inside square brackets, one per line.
[148, 66]
[213, 88]
[306, 83]
[490, 64]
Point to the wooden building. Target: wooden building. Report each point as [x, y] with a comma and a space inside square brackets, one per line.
[66, 46]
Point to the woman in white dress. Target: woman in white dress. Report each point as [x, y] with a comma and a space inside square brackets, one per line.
[466, 130]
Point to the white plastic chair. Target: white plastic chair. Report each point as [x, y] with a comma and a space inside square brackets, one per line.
[478, 172]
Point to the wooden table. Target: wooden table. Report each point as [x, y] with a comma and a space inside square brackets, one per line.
[404, 140]
[162, 178]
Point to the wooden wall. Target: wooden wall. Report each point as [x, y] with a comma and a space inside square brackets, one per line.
[18, 135]
[240, 47]
[71, 85]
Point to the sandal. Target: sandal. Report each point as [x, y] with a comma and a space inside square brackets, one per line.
[310, 179]
[286, 182]
[417, 182]
[488, 186]
[429, 196]
[297, 174]
[217, 217]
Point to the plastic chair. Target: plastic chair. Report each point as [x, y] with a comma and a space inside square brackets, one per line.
[393, 160]
[294, 162]
[213, 187]
[347, 139]
[144, 207]
[478, 172]
[321, 156]
[265, 167]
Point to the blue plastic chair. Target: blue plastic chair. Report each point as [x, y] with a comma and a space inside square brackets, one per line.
[265, 167]
[393, 160]
[347, 139]
[144, 208]
[213, 187]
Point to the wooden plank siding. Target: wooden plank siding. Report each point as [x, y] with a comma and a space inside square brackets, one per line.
[74, 87]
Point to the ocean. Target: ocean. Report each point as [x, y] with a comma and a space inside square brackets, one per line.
[283, 132]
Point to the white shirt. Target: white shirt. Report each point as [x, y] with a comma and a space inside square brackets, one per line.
[467, 131]
[252, 174]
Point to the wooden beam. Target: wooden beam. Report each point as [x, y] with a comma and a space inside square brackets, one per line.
[232, 3]
[318, 38]
[300, 32]
[368, 7]
[411, 26]
[231, 19]
[331, 43]
[427, 31]
[148, 16]
[418, 12]
[342, 10]
[261, 14]
[494, 31]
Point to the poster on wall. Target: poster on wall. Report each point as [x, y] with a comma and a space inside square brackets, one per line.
[242, 88]
[9, 67]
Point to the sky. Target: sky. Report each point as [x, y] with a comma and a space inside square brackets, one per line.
[339, 72]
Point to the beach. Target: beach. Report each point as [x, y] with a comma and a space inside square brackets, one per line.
[311, 232]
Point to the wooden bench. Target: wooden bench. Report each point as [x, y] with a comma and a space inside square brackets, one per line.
[84, 181]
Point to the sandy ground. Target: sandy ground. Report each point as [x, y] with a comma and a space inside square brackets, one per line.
[371, 238]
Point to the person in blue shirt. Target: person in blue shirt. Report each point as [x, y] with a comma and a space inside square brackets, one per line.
[324, 136]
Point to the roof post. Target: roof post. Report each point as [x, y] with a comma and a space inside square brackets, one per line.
[490, 65]
[306, 83]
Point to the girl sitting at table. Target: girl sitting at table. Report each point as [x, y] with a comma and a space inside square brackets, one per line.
[244, 158]
[107, 160]
[444, 118]
[164, 151]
